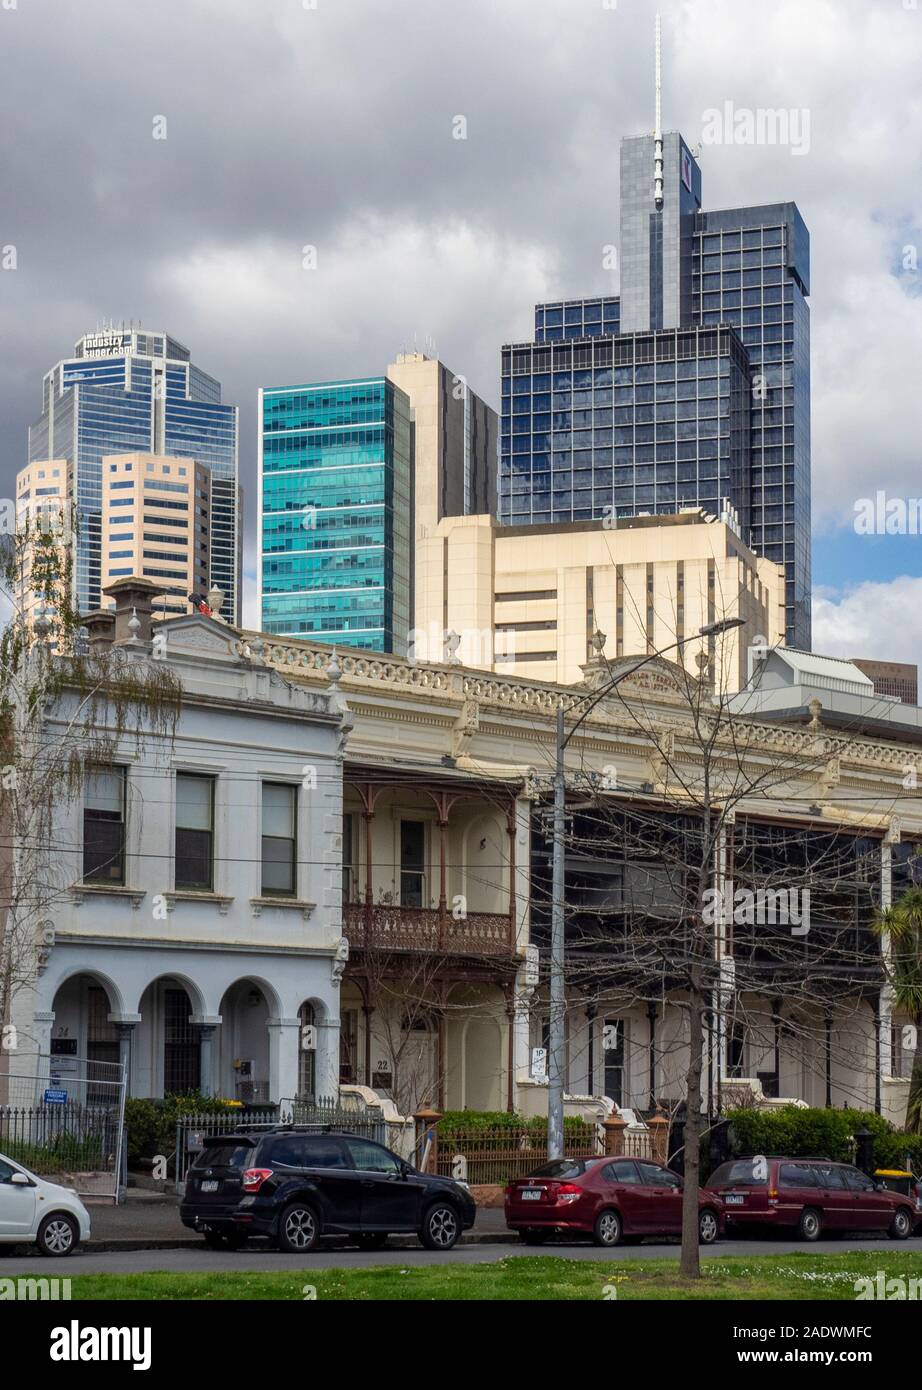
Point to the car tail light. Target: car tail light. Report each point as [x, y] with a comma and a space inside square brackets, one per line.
[773, 1195]
[254, 1178]
[565, 1192]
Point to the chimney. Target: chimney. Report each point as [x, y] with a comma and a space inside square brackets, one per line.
[100, 627]
[133, 609]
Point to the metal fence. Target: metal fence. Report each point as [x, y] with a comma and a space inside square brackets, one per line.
[67, 1122]
[501, 1153]
[315, 1116]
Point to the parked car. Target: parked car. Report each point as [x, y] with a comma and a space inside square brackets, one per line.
[33, 1211]
[809, 1196]
[294, 1186]
[901, 1180]
[610, 1199]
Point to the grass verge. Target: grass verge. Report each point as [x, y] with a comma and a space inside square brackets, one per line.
[768, 1277]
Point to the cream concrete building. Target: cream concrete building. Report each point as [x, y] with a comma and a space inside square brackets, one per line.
[43, 492]
[156, 525]
[454, 447]
[445, 899]
[527, 600]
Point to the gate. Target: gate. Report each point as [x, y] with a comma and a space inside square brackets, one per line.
[68, 1124]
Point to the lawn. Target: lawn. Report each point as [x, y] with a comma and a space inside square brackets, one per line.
[770, 1277]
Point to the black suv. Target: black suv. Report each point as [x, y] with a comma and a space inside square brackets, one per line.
[294, 1187]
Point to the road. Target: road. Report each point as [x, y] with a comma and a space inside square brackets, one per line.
[259, 1257]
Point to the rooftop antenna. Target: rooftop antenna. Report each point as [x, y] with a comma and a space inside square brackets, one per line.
[658, 131]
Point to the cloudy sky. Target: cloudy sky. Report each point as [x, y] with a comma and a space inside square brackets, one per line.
[330, 124]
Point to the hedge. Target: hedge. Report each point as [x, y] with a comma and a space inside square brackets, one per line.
[830, 1133]
[151, 1124]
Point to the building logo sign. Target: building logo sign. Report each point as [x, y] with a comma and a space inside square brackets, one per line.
[105, 344]
[687, 170]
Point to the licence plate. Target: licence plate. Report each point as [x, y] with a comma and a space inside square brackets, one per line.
[209, 1186]
[734, 1201]
[530, 1196]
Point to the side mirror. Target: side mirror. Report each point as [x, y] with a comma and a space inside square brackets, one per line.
[19, 1180]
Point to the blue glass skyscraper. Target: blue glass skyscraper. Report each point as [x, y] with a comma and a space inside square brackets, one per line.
[690, 388]
[335, 522]
[126, 391]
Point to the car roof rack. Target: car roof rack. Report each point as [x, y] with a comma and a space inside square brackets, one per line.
[793, 1158]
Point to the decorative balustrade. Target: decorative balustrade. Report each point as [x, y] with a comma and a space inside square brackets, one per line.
[394, 928]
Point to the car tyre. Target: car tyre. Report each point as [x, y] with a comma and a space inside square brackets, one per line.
[299, 1228]
[810, 1225]
[901, 1225]
[372, 1240]
[708, 1227]
[533, 1237]
[608, 1230]
[58, 1234]
[441, 1227]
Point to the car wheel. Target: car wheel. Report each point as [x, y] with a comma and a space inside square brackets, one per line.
[441, 1228]
[299, 1228]
[708, 1227]
[533, 1237]
[901, 1225]
[58, 1234]
[810, 1224]
[371, 1240]
[608, 1228]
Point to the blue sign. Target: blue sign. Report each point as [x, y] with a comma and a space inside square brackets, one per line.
[55, 1097]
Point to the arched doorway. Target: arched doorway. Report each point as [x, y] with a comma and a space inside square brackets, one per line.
[168, 1055]
[243, 1043]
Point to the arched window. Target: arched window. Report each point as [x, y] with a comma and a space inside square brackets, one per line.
[306, 1053]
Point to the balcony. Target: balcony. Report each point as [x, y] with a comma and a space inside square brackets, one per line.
[394, 928]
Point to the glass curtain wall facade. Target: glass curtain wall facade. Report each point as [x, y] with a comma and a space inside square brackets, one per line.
[336, 513]
[752, 269]
[128, 392]
[619, 425]
[575, 445]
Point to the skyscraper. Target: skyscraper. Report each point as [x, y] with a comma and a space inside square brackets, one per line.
[156, 515]
[335, 513]
[695, 390]
[354, 474]
[132, 391]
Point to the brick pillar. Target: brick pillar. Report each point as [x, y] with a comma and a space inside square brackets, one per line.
[659, 1136]
[427, 1120]
[614, 1128]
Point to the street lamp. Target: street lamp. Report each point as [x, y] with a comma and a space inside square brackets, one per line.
[557, 981]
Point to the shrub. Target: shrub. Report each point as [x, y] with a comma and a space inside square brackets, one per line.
[151, 1124]
[828, 1133]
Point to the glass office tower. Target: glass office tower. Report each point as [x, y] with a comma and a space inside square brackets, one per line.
[336, 513]
[575, 444]
[621, 424]
[751, 268]
[126, 391]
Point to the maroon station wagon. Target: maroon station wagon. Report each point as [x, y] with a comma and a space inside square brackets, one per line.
[810, 1196]
[610, 1199]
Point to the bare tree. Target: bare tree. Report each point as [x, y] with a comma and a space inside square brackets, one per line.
[705, 898]
[64, 709]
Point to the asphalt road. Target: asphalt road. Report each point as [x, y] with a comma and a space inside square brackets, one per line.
[260, 1257]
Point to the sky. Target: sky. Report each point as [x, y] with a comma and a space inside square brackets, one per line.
[311, 211]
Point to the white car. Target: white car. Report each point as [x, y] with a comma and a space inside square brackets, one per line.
[32, 1209]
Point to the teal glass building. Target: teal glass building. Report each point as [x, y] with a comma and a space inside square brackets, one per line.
[335, 513]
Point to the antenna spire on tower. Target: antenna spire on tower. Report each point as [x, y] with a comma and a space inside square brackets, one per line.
[658, 129]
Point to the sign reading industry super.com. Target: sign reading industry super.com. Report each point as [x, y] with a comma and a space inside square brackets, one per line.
[105, 344]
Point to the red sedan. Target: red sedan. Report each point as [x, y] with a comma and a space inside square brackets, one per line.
[610, 1199]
